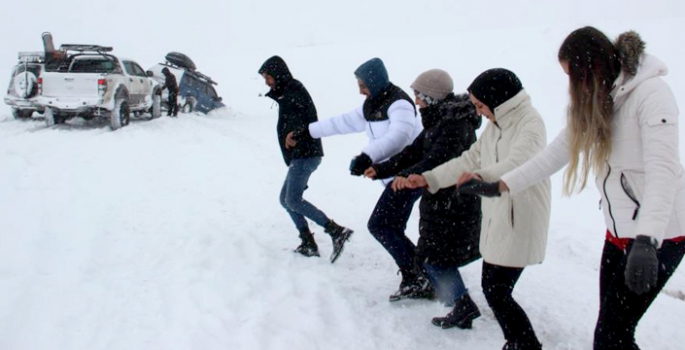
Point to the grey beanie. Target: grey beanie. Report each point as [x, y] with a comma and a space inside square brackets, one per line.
[434, 83]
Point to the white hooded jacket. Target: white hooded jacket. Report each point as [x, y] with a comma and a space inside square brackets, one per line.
[515, 226]
[642, 186]
[386, 137]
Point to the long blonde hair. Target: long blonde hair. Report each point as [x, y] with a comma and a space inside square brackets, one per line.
[593, 67]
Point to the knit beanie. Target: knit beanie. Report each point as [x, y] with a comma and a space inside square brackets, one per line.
[495, 86]
[435, 83]
[374, 75]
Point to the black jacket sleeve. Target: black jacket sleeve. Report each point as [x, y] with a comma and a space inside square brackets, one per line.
[406, 158]
[450, 142]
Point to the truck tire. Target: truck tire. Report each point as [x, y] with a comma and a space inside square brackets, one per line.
[53, 119]
[25, 84]
[187, 107]
[121, 115]
[156, 109]
[22, 113]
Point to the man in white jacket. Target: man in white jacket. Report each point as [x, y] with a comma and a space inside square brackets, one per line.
[389, 118]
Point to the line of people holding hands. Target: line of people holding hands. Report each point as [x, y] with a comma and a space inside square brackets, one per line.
[622, 126]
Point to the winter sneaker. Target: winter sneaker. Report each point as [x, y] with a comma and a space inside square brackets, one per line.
[464, 312]
[413, 287]
[339, 235]
[308, 246]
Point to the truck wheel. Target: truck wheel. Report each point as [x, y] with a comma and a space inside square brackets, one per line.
[187, 108]
[22, 113]
[156, 109]
[121, 115]
[25, 84]
[49, 116]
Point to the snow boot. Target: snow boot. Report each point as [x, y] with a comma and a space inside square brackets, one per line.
[518, 346]
[308, 246]
[413, 286]
[465, 311]
[339, 235]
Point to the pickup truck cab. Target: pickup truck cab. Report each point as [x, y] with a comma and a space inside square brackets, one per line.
[90, 82]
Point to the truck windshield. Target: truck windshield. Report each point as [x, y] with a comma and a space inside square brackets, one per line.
[92, 65]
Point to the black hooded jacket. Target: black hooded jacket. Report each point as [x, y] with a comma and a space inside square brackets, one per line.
[449, 227]
[296, 110]
[170, 83]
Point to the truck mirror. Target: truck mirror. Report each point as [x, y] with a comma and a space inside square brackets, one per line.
[150, 73]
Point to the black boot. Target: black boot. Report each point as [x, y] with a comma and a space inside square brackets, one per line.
[308, 246]
[413, 286]
[518, 346]
[339, 235]
[465, 311]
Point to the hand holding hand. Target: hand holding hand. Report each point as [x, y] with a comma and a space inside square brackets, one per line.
[399, 183]
[359, 164]
[415, 181]
[642, 268]
[481, 188]
[466, 176]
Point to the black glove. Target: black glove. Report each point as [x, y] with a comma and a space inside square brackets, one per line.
[359, 164]
[642, 266]
[301, 134]
[481, 188]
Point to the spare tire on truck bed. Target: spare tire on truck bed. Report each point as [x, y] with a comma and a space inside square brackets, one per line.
[181, 60]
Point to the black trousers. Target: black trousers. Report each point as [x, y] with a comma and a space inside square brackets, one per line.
[498, 283]
[620, 309]
[173, 104]
[389, 220]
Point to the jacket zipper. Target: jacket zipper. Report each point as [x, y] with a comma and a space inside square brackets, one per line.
[630, 195]
[604, 188]
[497, 143]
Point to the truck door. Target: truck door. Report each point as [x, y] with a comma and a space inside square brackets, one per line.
[135, 84]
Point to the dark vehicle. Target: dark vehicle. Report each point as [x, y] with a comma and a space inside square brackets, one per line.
[196, 90]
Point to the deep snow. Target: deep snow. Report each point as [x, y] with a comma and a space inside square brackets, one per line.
[168, 234]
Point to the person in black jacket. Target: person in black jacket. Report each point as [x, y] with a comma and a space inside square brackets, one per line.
[449, 226]
[171, 85]
[297, 110]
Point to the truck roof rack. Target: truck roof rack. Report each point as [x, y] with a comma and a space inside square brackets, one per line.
[31, 56]
[82, 48]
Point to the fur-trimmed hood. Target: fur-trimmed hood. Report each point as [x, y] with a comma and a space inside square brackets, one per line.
[630, 48]
[636, 65]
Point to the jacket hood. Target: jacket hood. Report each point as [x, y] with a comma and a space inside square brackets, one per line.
[275, 66]
[374, 75]
[636, 65]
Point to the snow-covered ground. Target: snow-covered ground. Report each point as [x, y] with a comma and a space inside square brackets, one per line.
[168, 234]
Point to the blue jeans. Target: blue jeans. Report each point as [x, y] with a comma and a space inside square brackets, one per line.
[293, 188]
[389, 220]
[447, 282]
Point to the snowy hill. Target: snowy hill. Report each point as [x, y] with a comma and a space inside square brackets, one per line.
[168, 234]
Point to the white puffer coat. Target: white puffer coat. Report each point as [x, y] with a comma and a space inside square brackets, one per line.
[386, 137]
[642, 187]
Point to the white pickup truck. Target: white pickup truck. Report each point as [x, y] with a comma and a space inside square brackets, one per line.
[88, 81]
